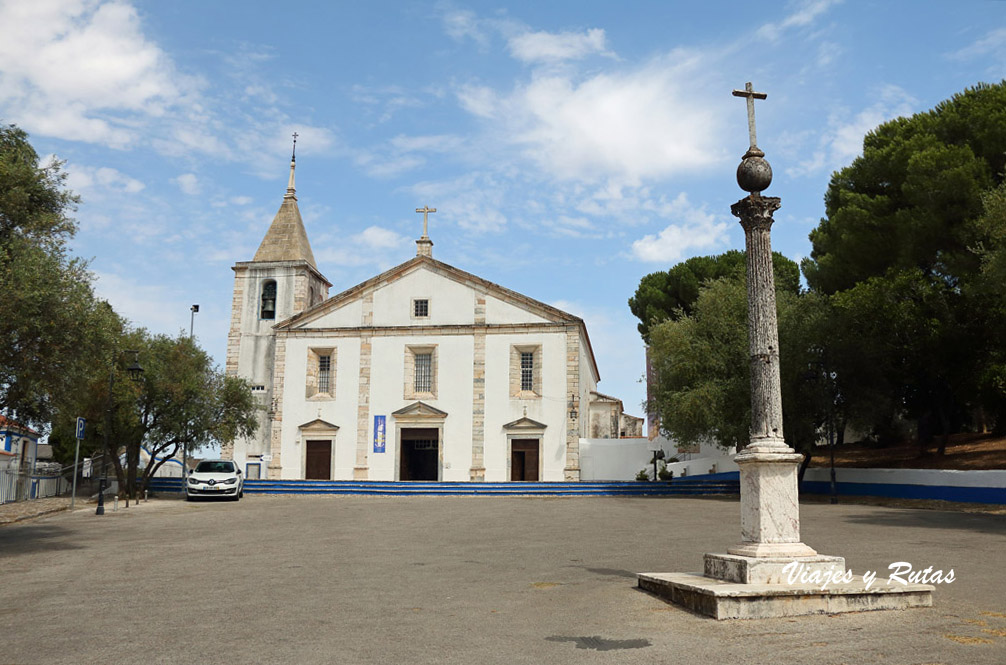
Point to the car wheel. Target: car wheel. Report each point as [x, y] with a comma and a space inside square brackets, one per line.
[188, 497]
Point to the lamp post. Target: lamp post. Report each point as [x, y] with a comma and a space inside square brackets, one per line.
[192, 319]
[135, 375]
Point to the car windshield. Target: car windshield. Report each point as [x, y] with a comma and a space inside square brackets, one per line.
[215, 467]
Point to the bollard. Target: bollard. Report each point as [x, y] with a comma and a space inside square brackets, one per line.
[115, 506]
[146, 496]
[101, 498]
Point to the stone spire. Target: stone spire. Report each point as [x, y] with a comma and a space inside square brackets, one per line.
[286, 239]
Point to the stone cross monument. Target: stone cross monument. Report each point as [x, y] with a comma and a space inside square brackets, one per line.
[752, 580]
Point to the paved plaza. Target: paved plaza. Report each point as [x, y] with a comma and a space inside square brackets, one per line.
[316, 579]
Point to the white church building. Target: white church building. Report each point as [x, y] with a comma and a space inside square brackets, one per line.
[424, 372]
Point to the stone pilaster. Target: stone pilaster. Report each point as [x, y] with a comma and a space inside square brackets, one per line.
[571, 472]
[360, 471]
[478, 469]
[276, 411]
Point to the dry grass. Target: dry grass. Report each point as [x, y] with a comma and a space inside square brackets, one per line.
[965, 452]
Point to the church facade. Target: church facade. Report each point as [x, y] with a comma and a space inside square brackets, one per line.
[424, 372]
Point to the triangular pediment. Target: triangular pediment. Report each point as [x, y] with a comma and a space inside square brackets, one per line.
[419, 410]
[525, 423]
[345, 300]
[319, 424]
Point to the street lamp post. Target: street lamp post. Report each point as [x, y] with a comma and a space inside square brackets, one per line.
[135, 375]
[192, 319]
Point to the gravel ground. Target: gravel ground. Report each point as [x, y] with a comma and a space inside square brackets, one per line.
[324, 579]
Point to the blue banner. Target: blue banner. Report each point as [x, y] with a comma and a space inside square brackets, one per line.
[379, 434]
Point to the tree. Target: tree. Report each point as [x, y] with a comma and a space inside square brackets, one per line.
[51, 323]
[182, 402]
[702, 364]
[911, 200]
[663, 296]
[902, 238]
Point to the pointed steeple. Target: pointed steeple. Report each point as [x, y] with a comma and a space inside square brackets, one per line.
[286, 239]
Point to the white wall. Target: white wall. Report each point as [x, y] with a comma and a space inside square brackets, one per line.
[614, 459]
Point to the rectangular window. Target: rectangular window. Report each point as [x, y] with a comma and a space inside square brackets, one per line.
[324, 373]
[320, 375]
[420, 308]
[424, 373]
[527, 370]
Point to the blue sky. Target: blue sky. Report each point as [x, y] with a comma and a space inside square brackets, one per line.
[569, 147]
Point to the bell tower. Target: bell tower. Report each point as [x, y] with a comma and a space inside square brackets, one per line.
[280, 281]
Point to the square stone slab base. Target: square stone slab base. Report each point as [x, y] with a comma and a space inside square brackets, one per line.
[769, 570]
[730, 600]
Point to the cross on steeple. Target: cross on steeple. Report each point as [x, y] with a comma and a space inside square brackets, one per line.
[426, 210]
[294, 157]
[751, 95]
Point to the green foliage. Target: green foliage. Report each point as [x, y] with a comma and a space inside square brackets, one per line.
[182, 402]
[703, 390]
[663, 296]
[911, 250]
[52, 325]
[912, 199]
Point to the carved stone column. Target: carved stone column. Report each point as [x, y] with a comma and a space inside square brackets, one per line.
[770, 511]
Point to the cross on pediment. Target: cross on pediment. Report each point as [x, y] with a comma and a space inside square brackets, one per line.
[426, 210]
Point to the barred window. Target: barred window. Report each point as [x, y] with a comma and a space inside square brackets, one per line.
[324, 373]
[421, 308]
[527, 370]
[424, 373]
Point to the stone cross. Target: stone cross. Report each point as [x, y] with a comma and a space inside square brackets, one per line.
[751, 95]
[426, 210]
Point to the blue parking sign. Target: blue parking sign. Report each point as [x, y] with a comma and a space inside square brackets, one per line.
[80, 428]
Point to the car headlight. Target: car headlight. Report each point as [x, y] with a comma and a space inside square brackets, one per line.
[230, 481]
[193, 481]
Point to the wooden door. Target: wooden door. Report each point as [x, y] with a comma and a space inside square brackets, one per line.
[319, 460]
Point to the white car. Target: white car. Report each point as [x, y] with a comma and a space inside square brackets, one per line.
[215, 478]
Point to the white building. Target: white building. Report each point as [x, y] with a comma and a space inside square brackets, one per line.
[424, 372]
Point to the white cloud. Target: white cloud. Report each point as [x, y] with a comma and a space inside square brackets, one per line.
[375, 237]
[553, 47]
[696, 229]
[188, 183]
[842, 142]
[461, 24]
[83, 70]
[99, 181]
[474, 202]
[993, 43]
[806, 12]
[649, 122]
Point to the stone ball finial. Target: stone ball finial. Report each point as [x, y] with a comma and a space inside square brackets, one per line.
[754, 173]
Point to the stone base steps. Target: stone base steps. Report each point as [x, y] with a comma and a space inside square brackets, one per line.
[704, 486]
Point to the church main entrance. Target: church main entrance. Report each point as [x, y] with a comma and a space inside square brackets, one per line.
[524, 454]
[420, 454]
[318, 463]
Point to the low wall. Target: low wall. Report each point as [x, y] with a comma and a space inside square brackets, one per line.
[622, 459]
[703, 466]
[614, 459]
[967, 486]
